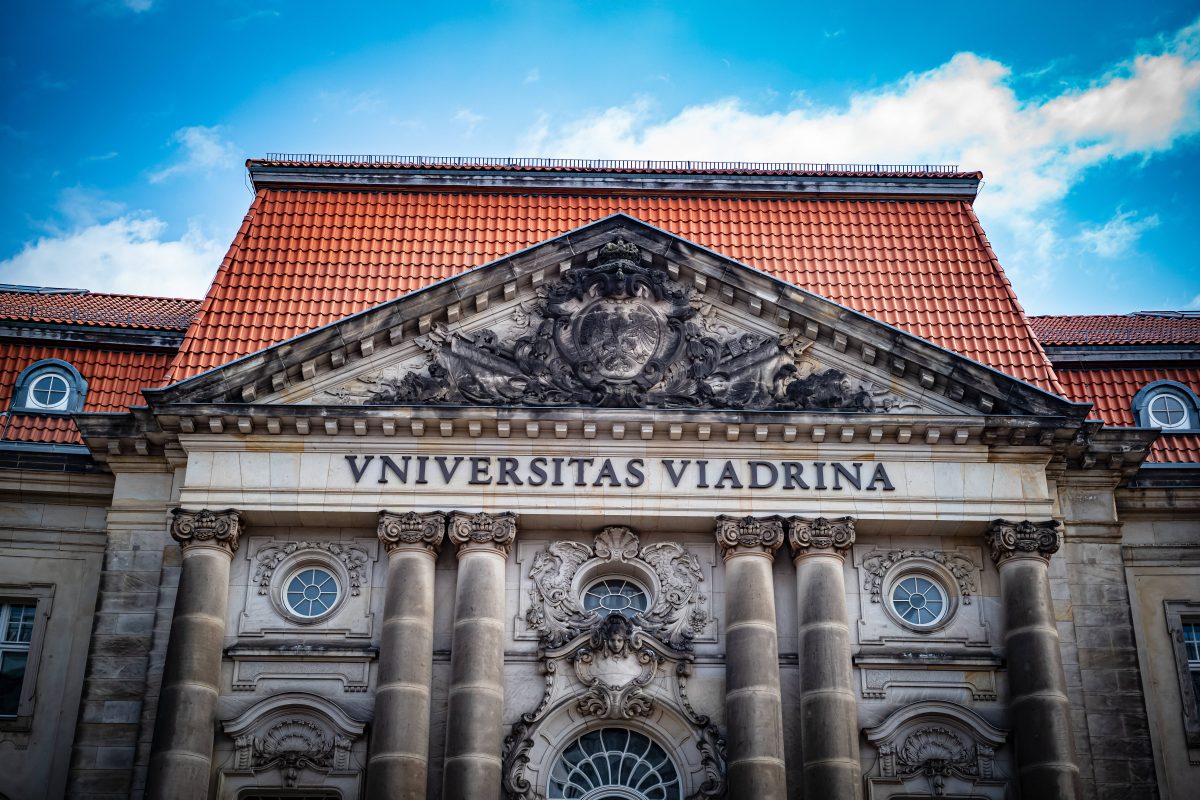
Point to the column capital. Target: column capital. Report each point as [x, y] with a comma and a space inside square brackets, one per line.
[820, 536]
[1024, 539]
[494, 531]
[205, 528]
[738, 535]
[412, 531]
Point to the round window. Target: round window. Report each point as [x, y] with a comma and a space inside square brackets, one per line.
[616, 594]
[1167, 411]
[311, 592]
[919, 601]
[614, 763]
[50, 391]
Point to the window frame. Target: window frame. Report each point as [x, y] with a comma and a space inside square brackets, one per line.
[1181, 392]
[1179, 613]
[77, 387]
[41, 596]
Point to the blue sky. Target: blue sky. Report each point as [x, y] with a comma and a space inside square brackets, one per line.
[126, 122]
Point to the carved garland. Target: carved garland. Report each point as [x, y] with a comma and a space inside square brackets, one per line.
[958, 565]
[354, 558]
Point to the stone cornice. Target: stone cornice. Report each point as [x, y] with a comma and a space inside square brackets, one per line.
[1024, 539]
[820, 536]
[412, 531]
[489, 531]
[740, 535]
[205, 528]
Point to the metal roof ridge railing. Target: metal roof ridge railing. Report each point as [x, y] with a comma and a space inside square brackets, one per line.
[615, 164]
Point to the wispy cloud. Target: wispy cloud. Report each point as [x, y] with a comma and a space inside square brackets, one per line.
[138, 6]
[966, 111]
[468, 119]
[533, 76]
[202, 149]
[1117, 237]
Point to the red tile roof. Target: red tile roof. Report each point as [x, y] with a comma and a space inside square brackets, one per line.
[1115, 329]
[99, 308]
[115, 380]
[1112, 392]
[304, 258]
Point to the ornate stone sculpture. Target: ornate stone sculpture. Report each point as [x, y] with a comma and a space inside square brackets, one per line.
[761, 534]
[616, 666]
[877, 566]
[495, 530]
[353, 558]
[292, 745]
[676, 617]
[412, 530]
[619, 333]
[821, 535]
[1016, 539]
[204, 527]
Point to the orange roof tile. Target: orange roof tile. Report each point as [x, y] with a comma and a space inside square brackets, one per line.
[1112, 392]
[1147, 327]
[304, 258]
[115, 380]
[99, 308]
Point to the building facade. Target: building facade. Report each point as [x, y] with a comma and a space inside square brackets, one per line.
[608, 480]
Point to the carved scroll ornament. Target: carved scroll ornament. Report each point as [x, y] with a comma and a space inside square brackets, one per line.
[877, 566]
[754, 534]
[619, 333]
[353, 558]
[492, 530]
[204, 527]
[820, 535]
[1025, 538]
[291, 745]
[412, 530]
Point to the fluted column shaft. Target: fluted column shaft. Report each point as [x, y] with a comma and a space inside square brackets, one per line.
[1040, 711]
[753, 701]
[828, 707]
[184, 728]
[474, 725]
[398, 766]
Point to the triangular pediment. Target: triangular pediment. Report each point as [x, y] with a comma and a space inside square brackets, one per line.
[617, 314]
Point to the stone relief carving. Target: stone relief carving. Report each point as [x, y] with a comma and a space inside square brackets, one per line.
[411, 529]
[292, 745]
[676, 616]
[619, 332]
[734, 534]
[355, 559]
[962, 568]
[205, 527]
[1025, 538]
[615, 666]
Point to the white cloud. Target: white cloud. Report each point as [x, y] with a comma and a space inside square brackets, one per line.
[1031, 151]
[533, 76]
[128, 254]
[469, 119]
[203, 150]
[138, 6]
[1117, 236]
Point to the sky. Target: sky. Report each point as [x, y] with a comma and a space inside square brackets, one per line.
[126, 123]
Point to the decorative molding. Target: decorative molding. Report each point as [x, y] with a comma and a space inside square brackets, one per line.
[219, 529]
[676, 617]
[962, 568]
[489, 530]
[412, 530]
[349, 667]
[738, 535]
[1022, 539]
[820, 536]
[352, 557]
[616, 667]
[618, 332]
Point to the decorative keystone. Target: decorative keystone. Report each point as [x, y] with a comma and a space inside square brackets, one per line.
[489, 530]
[738, 535]
[1022, 539]
[820, 536]
[206, 528]
[412, 531]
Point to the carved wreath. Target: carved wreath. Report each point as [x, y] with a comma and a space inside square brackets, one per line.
[961, 567]
[676, 617]
[353, 557]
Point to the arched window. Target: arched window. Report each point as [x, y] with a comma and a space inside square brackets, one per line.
[1168, 405]
[614, 764]
[51, 386]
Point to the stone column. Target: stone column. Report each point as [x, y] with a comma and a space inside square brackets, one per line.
[181, 752]
[1038, 687]
[474, 723]
[828, 709]
[753, 703]
[399, 762]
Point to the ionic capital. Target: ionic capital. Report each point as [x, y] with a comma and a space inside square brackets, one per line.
[495, 531]
[412, 531]
[204, 528]
[1024, 539]
[738, 535]
[820, 536]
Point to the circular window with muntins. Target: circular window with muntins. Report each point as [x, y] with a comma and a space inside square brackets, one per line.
[50, 392]
[311, 592]
[1167, 411]
[616, 594]
[919, 601]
